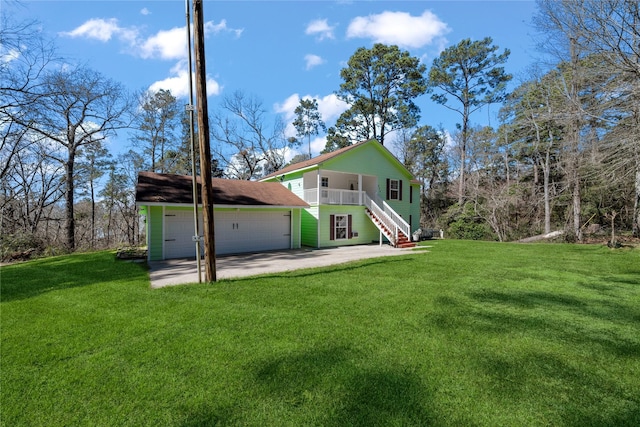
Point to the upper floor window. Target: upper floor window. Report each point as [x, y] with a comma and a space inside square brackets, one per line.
[324, 181]
[394, 189]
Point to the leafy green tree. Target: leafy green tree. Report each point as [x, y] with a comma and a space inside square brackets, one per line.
[425, 157]
[464, 78]
[155, 122]
[298, 158]
[308, 120]
[179, 158]
[531, 110]
[380, 85]
[94, 162]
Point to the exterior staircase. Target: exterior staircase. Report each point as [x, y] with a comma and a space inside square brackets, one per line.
[390, 224]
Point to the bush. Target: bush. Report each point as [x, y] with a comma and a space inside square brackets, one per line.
[20, 246]
[464, 223]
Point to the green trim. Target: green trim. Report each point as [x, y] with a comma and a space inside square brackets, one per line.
[155, 230]
[309, 227]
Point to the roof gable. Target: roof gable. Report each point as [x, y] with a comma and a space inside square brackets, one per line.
[315, 161]
[169, 189]
[329, 158]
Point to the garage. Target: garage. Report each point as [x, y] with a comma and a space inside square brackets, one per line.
[236, 231]
[249, 216]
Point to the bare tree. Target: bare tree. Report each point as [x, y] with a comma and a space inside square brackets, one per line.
[76, 107]
[249, 148]
[25, 57]
[32, 186]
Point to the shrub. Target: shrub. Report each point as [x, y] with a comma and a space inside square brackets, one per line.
[20, 246]
[464, 223]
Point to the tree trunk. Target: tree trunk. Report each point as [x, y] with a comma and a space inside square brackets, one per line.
[574, 134]
[636, 204]
[463, 155]
[69, 200]
[93, 214]
[547, 198]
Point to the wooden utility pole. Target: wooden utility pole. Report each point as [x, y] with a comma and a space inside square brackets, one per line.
[205, 148]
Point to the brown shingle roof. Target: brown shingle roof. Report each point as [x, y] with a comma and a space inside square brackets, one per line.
[167, 188]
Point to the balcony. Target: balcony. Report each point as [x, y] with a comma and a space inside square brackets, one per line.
[330, 196]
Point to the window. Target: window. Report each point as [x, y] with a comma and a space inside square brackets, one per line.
[394, 189]
[340, 227]
[324, 181]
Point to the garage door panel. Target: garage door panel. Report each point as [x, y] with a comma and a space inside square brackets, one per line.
[235, 232]
[178, 242]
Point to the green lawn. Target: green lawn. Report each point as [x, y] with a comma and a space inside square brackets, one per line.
[466, 334]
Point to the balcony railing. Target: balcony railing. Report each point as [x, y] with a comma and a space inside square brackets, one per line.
[330, 196]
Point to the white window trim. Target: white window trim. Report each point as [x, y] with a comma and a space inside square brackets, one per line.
[397, 189]
[345, 227]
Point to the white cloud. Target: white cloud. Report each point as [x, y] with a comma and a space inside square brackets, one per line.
[99, 29]
[172, 44]
[288, 106]
[211, 27]
[313, 61]
[321, 29]
[399, 28]
[329, 107]
[166, 44]
[145, 11]
[178, 82]
[318, 144]
[8, 55]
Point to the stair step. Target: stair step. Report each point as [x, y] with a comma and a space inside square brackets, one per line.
[406, 245]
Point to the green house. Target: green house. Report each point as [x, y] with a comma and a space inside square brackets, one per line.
[356, 195]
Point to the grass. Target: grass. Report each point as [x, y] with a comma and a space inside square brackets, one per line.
[469, 333]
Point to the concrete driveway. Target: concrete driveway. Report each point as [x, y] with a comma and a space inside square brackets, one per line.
[182, 271]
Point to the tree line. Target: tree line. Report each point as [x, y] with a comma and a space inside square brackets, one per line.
[565, 154]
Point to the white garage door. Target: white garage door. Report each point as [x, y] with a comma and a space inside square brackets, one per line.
[235, 232]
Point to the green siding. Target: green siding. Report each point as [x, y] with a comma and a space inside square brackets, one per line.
[369, 159]
[309, 227]
[367, 231]
[155, 229]
[415, 208]
[295, 228]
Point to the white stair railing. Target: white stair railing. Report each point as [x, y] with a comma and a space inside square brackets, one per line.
[390, 228]
[397, 219]
[401, 223]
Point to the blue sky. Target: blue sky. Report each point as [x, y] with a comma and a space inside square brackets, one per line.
[277, 51]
